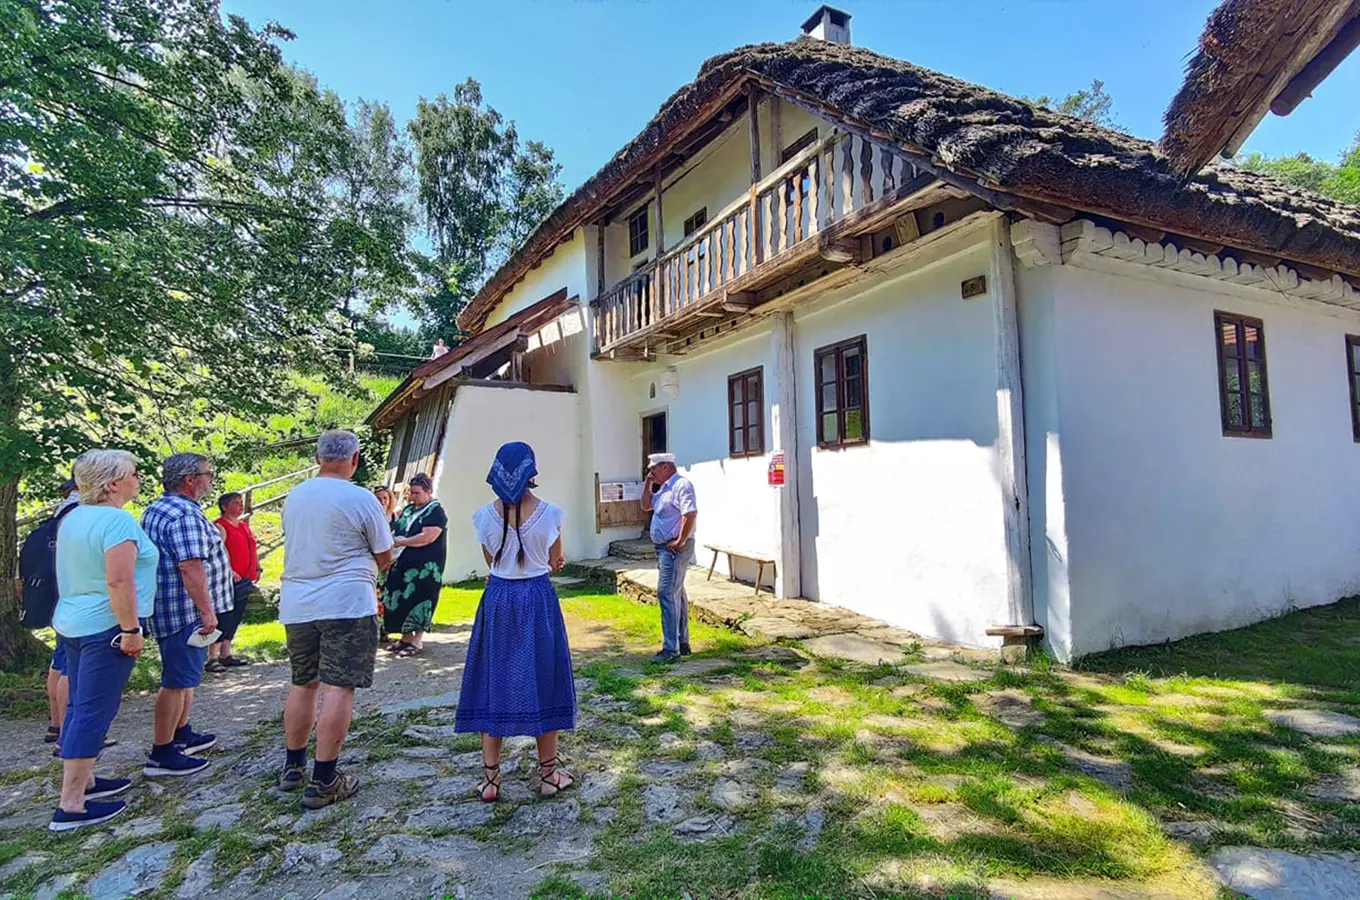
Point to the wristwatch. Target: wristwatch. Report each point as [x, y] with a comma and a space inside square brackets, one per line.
[137, 630]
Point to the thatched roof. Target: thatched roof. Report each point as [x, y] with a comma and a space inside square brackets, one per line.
[1255, 56]
[982, 140]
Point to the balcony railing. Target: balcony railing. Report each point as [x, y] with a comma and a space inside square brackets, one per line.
[798, 201]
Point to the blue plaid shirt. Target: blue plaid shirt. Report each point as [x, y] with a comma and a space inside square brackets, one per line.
[180, 530]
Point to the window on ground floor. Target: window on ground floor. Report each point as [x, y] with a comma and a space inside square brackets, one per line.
[1244, 394]
[746, 413]
[1353, 376]
[842, 393]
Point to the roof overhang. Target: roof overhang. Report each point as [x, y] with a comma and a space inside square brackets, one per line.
[478, 356]
[1255, 57]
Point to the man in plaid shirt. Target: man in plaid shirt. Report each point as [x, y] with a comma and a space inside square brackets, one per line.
[193, 585]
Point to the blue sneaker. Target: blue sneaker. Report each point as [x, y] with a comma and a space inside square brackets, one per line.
[95, 814]
[192, 742]
[173, 765]
[107, 787]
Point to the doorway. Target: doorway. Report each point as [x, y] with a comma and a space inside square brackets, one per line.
[653, 436]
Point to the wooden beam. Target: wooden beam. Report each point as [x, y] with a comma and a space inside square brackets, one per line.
[842, 250]
[784, 431]
[660, 222]
[1208, 248]
[599, 261]
[740, 301]
[1301, 86]
[1142, 232]
[1010, 421]
[753, 136]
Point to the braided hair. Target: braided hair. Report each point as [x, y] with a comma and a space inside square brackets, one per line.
[505, 529]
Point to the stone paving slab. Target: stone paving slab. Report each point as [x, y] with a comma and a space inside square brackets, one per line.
[1276, 875]
[731, 604]
[1314, 722]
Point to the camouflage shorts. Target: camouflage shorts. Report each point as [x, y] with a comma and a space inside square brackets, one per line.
[338, 652]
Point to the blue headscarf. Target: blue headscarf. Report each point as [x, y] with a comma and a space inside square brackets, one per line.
[512, 471]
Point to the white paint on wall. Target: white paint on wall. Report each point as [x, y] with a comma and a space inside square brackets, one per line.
[909, 528]
[1173, 528]
[565, 268]
[483, 419]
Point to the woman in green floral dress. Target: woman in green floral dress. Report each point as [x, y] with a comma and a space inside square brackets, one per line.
[412, 589]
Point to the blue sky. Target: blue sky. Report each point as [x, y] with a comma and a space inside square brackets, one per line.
[585, 75]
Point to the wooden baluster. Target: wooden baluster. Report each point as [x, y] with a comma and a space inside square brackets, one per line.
[803, 176]
[848, 174]
[889, 182]
[866, 171]
[818, 198]
[730, 233]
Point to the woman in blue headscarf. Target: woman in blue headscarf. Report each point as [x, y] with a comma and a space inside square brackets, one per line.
[518, 677]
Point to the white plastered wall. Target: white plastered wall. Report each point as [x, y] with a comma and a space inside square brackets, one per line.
[1171, 528]
[909, 528]
[484, 418]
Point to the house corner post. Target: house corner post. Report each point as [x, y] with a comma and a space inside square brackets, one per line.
[784, 428]
[1010, 420]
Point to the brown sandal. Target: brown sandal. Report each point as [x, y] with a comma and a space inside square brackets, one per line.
[490, 782]
[409, 651]
[552, 781]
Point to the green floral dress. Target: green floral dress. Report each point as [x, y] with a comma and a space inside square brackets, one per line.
[412, 588]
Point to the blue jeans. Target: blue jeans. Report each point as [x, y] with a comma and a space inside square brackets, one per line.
[671, 597]
[98, 674]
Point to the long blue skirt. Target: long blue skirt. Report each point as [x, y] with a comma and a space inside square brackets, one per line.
[518, 678]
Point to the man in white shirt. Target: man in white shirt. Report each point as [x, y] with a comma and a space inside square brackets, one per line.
[335, 541]
[674, 514]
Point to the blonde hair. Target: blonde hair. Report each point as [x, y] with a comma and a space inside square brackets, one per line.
[97, 469]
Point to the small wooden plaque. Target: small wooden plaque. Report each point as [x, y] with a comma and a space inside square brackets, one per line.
[973, 287]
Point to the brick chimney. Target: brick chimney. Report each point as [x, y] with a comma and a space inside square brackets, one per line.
[828, 24]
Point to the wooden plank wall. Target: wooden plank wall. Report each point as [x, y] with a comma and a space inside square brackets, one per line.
[431, 415]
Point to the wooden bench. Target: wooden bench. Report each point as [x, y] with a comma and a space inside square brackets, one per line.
[759, 559]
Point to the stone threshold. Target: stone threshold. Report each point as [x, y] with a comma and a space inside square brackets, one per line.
[823, 629]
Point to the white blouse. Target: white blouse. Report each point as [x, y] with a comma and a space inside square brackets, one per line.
[539, 532]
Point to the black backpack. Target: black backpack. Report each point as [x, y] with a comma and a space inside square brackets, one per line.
[38, 570]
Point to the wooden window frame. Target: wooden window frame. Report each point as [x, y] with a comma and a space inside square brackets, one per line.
[1352, 364]
[742, 382]
[639, 228]
[838, 350]
[798, 146]
[1241, 323]
[696, 221]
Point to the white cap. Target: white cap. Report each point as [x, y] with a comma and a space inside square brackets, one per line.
[657, 459]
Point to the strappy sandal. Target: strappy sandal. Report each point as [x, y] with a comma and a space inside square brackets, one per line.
[410, 650]
[490, 782]
[553, 782]
[396, 647]
[53, 735]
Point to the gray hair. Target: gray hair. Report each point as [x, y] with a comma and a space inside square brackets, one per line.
[336, 446]
[179, 467]
[97, 469]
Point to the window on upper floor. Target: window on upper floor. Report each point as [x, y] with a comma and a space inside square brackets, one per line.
[637, 231]
[842, 393]
[1244, 394]
[1353, 376]
[696, 221]
[746, 413]
[798, 146]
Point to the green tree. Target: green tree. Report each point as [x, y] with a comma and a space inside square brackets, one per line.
[479, 191]
[1092, 104]
[1339, 180]
[173, 245]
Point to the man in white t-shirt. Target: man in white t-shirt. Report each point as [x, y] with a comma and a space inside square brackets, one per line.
[336, 539]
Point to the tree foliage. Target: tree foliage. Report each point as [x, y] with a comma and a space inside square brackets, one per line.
[480, 192]
[174, 241]
[1092, 104]
[1339, 180]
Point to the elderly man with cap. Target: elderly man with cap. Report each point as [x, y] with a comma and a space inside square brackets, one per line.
[674, 513]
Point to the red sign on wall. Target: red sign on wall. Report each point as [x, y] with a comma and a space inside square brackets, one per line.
[777, 469]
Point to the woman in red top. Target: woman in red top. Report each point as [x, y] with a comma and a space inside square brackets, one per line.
[243, 551]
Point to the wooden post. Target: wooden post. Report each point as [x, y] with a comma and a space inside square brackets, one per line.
[660, 227]
[599, 260]
[753, 121]
[776, 134]
[1010, 421]
[250, 501]
[788, 568]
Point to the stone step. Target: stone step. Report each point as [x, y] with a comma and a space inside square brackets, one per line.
[637, 548]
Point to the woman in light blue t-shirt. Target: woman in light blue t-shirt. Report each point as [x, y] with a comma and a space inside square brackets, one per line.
[106, 581]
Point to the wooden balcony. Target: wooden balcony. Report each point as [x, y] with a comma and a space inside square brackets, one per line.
[813, 209]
